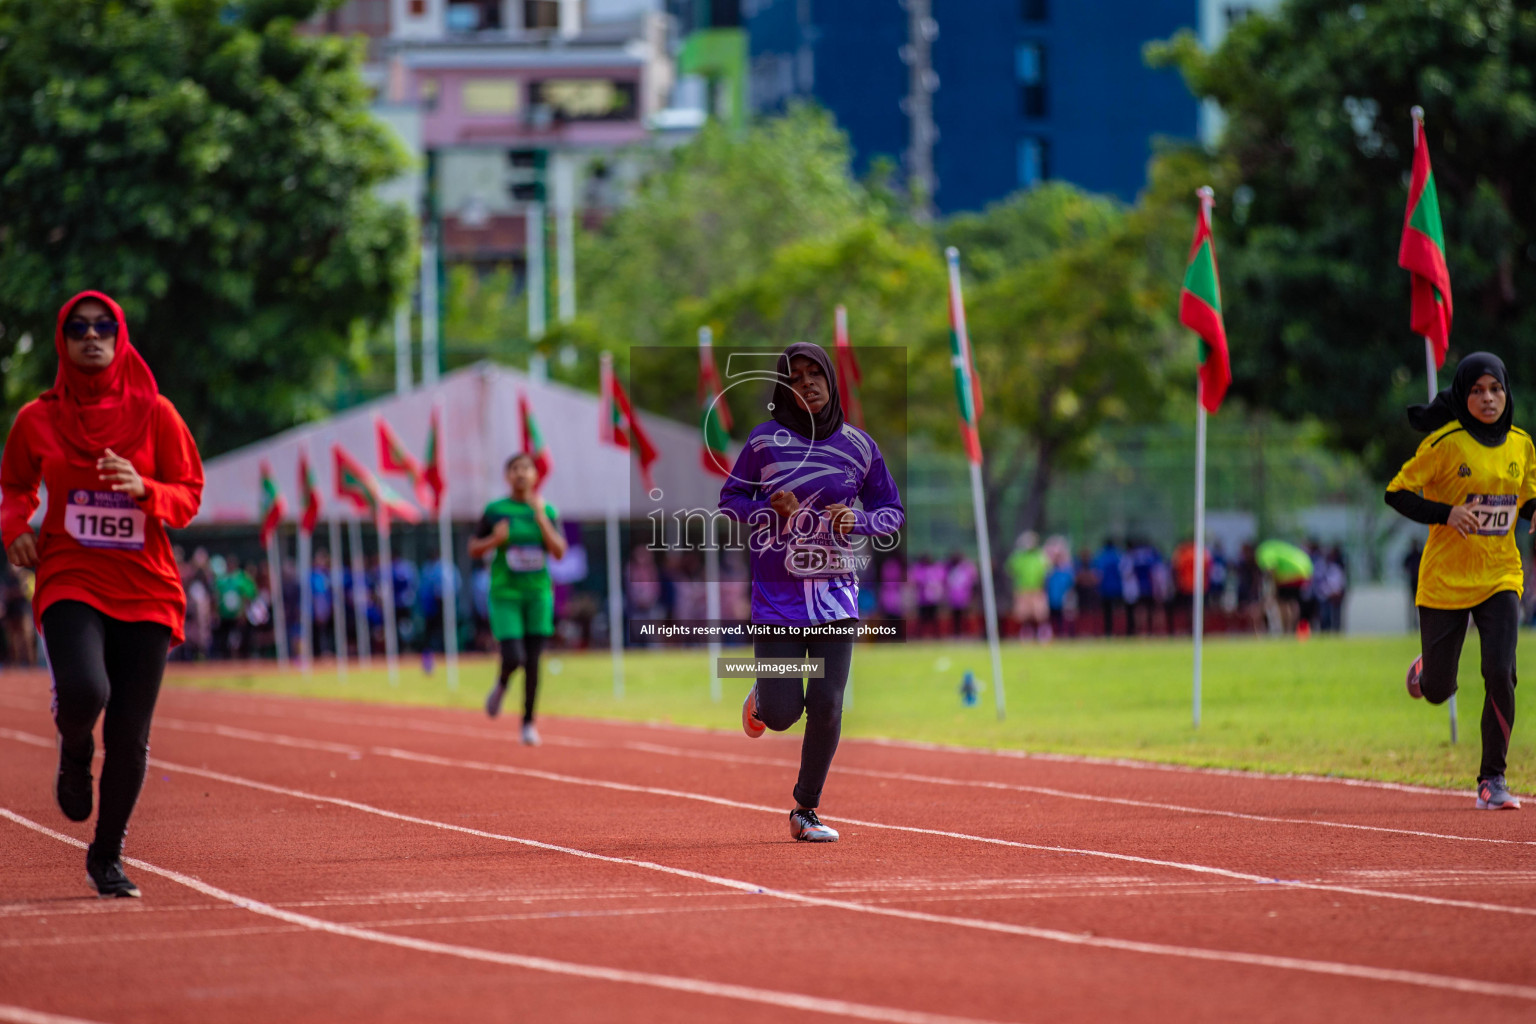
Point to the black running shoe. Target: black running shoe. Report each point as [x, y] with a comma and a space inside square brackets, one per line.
[108, 878]
[73, 786]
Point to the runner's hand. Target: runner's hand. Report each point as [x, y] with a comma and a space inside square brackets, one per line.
[1462, 519]
[119, 472]
[502, 531]
[840, 518]
[23, 551]
[784, 503]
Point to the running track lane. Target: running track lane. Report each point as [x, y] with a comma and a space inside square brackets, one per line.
[1052, 982]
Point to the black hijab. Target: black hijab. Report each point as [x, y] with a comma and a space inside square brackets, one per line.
[790, 412]
[1451, 404]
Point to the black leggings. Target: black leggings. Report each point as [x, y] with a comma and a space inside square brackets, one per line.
[101, 662]
[522, 652]
[1498, 624]
[781, 701]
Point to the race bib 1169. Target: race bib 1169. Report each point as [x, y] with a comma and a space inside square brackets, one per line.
[1495, 513]
[104, 519]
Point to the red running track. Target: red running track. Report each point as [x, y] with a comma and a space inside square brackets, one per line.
[326, 861]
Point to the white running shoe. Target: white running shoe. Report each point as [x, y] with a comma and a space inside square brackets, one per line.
[1494, 795]
[807, 828]
[530, 735]
[750, 723]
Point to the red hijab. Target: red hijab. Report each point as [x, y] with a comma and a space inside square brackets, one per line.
[109, 409]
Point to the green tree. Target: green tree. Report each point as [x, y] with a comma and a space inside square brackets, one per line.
[1319, 142]
[1071, 331]
[213, 171]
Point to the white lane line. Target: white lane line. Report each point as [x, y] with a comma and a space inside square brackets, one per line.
[690, 986]
[936, 780]
[22, 1015]
[1325, 967]
[941, 748]
[626, 787]
[257, 737]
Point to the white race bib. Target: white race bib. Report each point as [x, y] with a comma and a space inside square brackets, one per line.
[1495, 513]
[104, 519]
[525, 558]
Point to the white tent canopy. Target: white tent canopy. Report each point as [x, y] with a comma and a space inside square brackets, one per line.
[481, 429]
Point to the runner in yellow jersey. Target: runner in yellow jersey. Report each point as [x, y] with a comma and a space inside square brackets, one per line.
[1471, 480]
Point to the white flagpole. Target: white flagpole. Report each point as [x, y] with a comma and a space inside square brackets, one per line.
[275, 590]
[387, 599]
[338, 599]
[306, 604]
[1199, 608]
[450, 595]
[615, 571]
[711, 558]
[359, 592]
[978, 492]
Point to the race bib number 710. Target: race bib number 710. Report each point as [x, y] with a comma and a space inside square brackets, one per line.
[104, 519]
[1495, 513]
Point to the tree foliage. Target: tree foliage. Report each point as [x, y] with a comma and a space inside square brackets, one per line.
[1319, 144]
[214, 172]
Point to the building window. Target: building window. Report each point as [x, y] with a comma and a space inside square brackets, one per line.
[1029, 67]
[1235, 13]
[541, 14]
[417, 8]
[1036, 11]
[1034, 161]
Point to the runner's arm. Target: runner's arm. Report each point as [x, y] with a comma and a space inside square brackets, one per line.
[882, 513]
[177, 494]
[20, 474]
[549, 530]
[739, 499]
[485, 539]
[1422, 510]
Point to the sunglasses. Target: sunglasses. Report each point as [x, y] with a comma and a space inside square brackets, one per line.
[78, 329]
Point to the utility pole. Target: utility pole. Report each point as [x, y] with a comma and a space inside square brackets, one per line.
[922, 83]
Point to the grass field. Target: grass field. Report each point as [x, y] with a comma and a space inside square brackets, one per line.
[1333, 706]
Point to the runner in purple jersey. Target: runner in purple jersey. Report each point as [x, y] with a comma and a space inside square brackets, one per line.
[794, 486]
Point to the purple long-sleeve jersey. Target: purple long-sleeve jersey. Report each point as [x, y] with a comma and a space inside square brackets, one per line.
[802, 574]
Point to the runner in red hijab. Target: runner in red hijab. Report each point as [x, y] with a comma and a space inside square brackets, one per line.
[119, 466]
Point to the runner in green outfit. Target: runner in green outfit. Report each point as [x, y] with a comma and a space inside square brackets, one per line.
[524, 533]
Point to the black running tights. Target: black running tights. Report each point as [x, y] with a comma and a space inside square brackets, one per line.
[781, 702]
[1442, 632]
[522, 652]
[99, 662]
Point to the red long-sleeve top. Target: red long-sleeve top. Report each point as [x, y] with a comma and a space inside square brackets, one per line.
[126, 582]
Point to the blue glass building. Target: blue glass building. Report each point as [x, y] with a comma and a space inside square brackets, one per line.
[1028, 90]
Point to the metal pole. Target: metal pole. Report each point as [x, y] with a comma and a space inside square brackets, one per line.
[275, 588]
[306, 604]
[445, 556]
[615, 602]
[338, 599]
[712, 606]
[988, 598]
[387, 599]
[429, 356]
[1199, 610]
[359, 593]
[537, 314]
[565, 237]
[403, 348]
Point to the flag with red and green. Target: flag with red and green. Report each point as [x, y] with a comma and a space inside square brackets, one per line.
[716, 415]
[621, 427]
[1200, 310]
[272, 504]
[850, 380]
[533, 438]
[309, 494]
[432, 474]
[1422, 251]
[395, 457]
[967, 389]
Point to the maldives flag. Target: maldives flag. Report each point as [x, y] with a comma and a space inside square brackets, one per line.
[393, 506]
[967, 391]
[618, 423]
[395, 457]
[272, 504]
[309, 494]
[716, 419]
[1422, 252]
[533, 439]
[433, 473]
[849, 379]
[355, 483]
[1200, 309]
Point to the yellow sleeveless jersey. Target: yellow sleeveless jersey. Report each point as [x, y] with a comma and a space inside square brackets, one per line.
[1452, 467]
